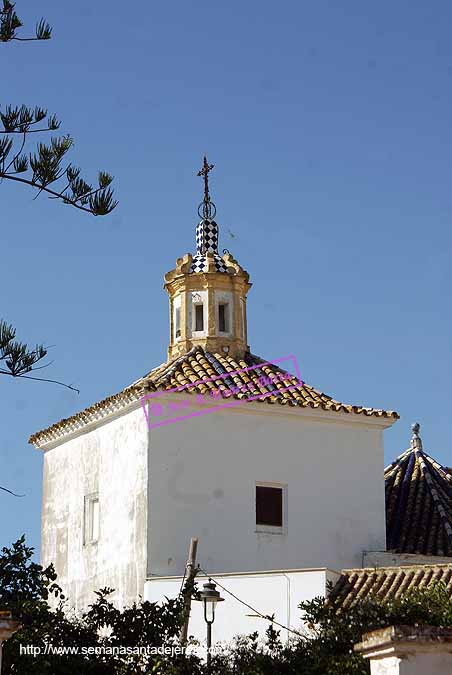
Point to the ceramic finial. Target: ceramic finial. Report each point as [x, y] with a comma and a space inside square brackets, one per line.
[416, 441]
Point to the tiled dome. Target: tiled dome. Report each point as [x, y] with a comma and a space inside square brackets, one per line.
[418, 503]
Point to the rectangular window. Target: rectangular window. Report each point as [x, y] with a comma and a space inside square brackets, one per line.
[199, 317]
[242, 317]
[177, 322]
[91, 519]
[269, 507]
[223, 318]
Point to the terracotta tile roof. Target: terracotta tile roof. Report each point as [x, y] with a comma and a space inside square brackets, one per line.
[387, 583]
[220, 371]
[418, 504]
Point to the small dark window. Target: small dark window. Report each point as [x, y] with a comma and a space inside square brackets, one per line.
[199, 317]
[222, 318]
[269, 506]
[177, 322]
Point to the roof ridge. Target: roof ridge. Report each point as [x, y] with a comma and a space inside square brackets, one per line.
[438, 467]
[172, 366]
[397, 460]
[199, 366]
[355, 570]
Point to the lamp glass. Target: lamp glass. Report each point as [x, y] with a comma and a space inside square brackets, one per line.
[209, 610]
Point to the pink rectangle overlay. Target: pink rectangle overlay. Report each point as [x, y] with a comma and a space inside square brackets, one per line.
[195, 399]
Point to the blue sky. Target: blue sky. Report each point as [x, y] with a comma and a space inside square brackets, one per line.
[330, 130]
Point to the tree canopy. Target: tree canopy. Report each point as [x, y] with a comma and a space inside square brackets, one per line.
[49, 629]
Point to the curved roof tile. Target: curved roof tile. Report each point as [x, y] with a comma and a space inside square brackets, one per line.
[387, 583]
[201, 371]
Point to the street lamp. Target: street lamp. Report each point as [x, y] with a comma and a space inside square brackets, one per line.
[209, 597]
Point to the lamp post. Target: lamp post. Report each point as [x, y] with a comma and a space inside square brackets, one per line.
[209, 597]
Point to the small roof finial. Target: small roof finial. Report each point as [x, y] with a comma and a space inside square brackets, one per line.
[206, 209]
[416, 441]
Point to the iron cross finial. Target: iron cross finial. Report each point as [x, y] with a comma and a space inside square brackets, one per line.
[206, 209]
[204, 172]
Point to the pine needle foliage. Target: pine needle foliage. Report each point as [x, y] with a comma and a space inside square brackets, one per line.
[46, 169]
[10, 24]
[16, 358]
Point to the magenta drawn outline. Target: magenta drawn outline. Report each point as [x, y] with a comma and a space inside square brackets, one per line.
[197, 398]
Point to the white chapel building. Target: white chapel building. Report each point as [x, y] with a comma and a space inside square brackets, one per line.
[281, 484]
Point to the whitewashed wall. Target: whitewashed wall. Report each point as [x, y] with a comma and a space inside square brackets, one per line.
[111, 460]
[277, 593]
[414, 664]
[202, 483]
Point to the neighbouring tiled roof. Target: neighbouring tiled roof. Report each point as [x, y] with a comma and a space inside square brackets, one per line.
[387, 583]
[198, 365]
[418, 503]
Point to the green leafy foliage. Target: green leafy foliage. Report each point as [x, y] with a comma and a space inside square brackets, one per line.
[25, 588]
[326, 647]
[22, 581]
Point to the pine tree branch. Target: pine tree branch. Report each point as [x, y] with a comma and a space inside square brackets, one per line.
[89, 194]
[19, 360]
[30, 39]
[17, 155]
[42, 188]
[28, 131]
[10, 23]
[40, 379]
[46, 163]
[10, 492]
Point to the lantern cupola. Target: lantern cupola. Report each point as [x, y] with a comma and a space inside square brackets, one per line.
[207, 292]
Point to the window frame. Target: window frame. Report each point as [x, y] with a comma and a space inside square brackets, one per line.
[177, 322]
[226, 317]
[195, 317]
[88, 519]
[272, 529]
[197, 298]
[242, 319]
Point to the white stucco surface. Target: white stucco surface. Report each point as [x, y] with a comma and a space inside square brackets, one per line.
[277, 593]
[436, 662]
[202, 484]
[110, 460]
